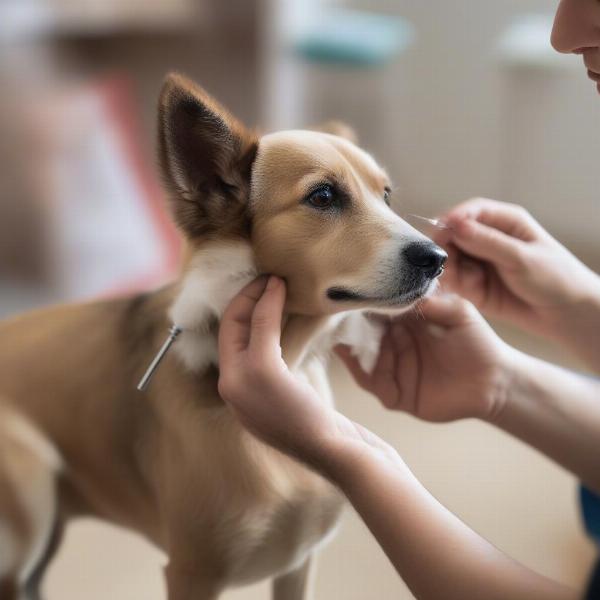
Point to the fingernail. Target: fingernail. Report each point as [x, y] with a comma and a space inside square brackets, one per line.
[447, 297]
[273, 282]
[460, 225]
[435, 330]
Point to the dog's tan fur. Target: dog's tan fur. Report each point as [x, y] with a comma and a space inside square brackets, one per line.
[173, 463]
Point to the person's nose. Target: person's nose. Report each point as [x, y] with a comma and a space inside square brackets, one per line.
[574, 27]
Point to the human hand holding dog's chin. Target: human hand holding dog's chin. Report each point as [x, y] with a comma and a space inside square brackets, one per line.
[501, 259]
[440, 364]
[273, 403]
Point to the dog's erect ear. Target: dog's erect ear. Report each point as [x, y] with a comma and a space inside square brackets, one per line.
[206, 157]
[338, 128]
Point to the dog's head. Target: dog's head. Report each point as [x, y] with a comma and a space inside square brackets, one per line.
[313, 206]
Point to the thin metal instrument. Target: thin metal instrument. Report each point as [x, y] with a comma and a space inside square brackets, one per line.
[174, 331]
[437, 223]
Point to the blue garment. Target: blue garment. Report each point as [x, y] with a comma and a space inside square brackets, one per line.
[590, 508]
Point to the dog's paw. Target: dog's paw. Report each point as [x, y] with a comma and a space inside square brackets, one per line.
[363, 335]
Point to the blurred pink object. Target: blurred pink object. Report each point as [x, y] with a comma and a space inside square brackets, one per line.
[110, 232]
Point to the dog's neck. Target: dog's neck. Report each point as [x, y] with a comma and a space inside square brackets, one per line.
[213, 277]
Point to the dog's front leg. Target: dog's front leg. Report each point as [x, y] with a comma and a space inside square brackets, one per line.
[187, 583]
[294, 585]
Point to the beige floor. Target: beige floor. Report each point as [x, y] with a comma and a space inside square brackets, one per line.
[515, 498]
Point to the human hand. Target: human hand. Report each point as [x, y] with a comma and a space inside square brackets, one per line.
[272, 402]
[440, 364]
[405, 519]
[502, 260]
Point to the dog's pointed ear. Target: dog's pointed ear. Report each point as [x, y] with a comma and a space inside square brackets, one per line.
[206, 156]
[338, 128]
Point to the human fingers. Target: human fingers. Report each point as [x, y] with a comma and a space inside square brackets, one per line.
[234, 330]
[489, 244]
[511, 219]
[446, 310]
[353, 365]
[265, 327]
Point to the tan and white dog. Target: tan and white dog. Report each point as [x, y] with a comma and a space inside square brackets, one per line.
[172, 463]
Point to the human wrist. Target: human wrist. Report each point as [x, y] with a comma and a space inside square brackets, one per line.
[508, 385]
[524, 378]
[577, 324]
[497, 390]
[347, 458]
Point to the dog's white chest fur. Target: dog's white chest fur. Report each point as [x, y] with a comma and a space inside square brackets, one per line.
[216, 274]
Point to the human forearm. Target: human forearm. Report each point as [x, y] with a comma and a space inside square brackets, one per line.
[557, 412]
[578, 325]
[437, 555]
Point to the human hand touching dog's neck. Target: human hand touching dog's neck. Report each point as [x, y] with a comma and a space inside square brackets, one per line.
[209, 282]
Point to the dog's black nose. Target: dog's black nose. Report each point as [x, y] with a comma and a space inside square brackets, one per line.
[427, 256]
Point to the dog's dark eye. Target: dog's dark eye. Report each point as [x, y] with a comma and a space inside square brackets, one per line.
[322, 198]
[387, 195]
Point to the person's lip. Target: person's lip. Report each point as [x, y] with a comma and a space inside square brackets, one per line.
[594, 76]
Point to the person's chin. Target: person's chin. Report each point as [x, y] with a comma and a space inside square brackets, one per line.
[595, 77]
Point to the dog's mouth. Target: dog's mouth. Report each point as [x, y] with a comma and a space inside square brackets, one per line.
[338, 294]
[346, 295]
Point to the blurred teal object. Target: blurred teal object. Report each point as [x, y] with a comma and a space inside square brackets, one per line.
[354, 38]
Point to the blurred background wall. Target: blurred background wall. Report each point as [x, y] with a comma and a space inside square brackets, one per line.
[455, 99]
